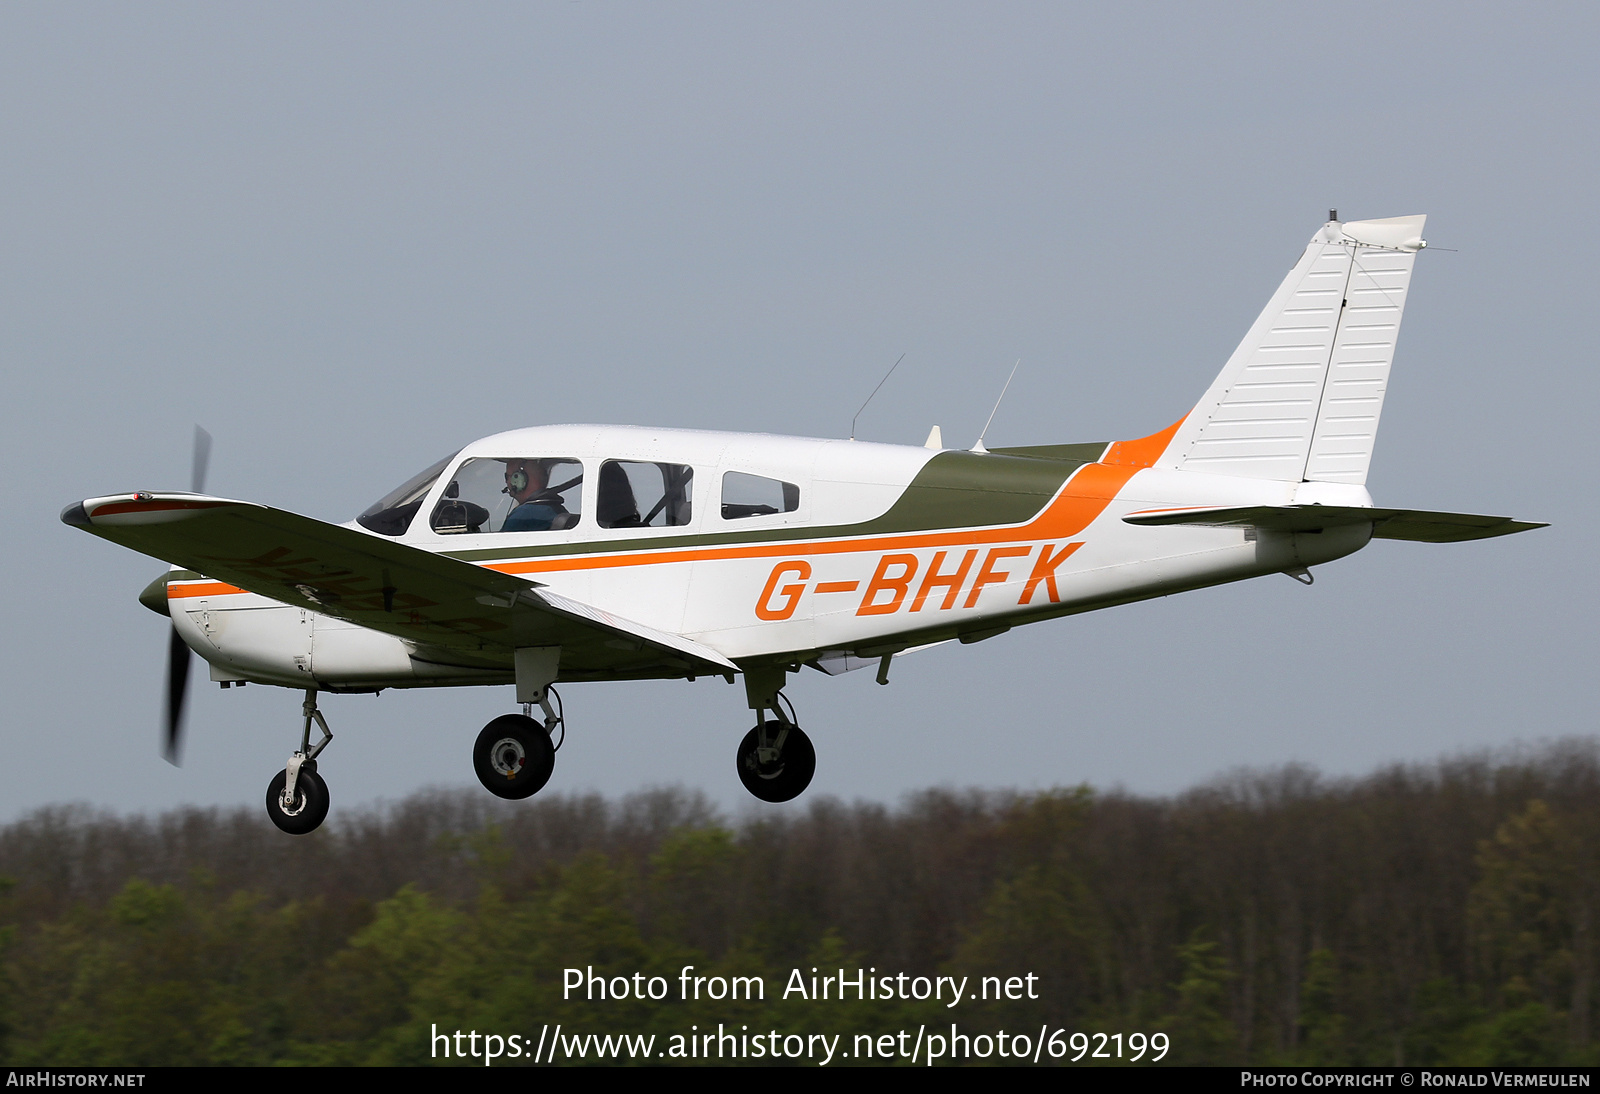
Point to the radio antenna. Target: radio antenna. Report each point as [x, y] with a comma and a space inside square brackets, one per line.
[881, 382]
[978, 447]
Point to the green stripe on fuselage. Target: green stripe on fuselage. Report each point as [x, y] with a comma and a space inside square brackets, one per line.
[1076, 453]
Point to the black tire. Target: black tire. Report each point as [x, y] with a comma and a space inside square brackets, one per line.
[513, 757]
[782, 781]
[310, 807]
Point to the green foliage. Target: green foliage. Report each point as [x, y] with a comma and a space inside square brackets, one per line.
[1200, 1031]
[1442, 1025]
[1324, 1034]
[690, 878]
[151, 907]
[1523, 905]
[8, 934]
[159, 975]
[1042, 921]
[1431, 920]
[1529, 1035]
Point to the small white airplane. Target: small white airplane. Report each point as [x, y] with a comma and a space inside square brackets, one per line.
[573, 552]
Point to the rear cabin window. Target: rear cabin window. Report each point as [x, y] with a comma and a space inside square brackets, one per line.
[511, 494]
[635, 494]
[754, 496]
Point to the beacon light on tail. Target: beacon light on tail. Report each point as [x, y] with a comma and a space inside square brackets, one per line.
[575, 552]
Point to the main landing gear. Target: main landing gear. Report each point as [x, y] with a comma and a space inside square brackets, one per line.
[776, 759]
[514, 755]
[297, 798]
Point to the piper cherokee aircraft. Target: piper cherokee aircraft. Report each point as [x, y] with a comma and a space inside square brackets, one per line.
[571, 553]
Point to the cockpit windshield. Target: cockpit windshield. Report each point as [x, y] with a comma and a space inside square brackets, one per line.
[391, 515]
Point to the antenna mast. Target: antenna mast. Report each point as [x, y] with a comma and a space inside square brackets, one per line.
[978, 447]
[881, 382]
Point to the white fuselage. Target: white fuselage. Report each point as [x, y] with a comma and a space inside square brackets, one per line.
[756, 585]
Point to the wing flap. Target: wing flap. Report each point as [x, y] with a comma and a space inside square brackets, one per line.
[588, 614]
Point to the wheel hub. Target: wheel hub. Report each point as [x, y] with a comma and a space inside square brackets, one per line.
[767, 763]
[507, 757]
[766, 759]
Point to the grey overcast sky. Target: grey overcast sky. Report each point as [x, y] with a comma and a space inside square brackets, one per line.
[349, 238]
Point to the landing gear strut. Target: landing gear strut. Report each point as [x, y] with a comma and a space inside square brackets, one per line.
[776, 759]
[297, 798]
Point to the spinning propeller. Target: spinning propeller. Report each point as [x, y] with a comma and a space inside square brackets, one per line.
[178, 652]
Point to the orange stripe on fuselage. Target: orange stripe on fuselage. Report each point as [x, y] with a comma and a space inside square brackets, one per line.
[1144, 451]
[1083, 498]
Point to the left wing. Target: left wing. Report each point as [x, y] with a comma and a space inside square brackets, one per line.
[1413, 524]
[437, 603]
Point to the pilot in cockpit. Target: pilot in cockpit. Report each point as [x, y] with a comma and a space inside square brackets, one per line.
[537, 508]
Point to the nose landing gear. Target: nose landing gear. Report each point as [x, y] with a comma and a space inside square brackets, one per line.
[297, 798]
[303, 809]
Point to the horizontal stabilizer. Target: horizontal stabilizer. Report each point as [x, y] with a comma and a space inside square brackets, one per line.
[1413, 524]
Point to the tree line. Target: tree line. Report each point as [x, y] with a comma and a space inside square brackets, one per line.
[1425, 914]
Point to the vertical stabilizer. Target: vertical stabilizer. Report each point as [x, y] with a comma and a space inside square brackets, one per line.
[1300, 398]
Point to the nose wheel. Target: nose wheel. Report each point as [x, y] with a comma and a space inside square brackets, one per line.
[303, 810]
[297, 798]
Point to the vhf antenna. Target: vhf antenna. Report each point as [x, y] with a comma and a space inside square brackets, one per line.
[881, 382]
[978, 447]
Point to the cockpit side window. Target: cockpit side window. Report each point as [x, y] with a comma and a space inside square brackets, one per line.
[754, 496]
[635, 494]
[391, 515]
[511, 494]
